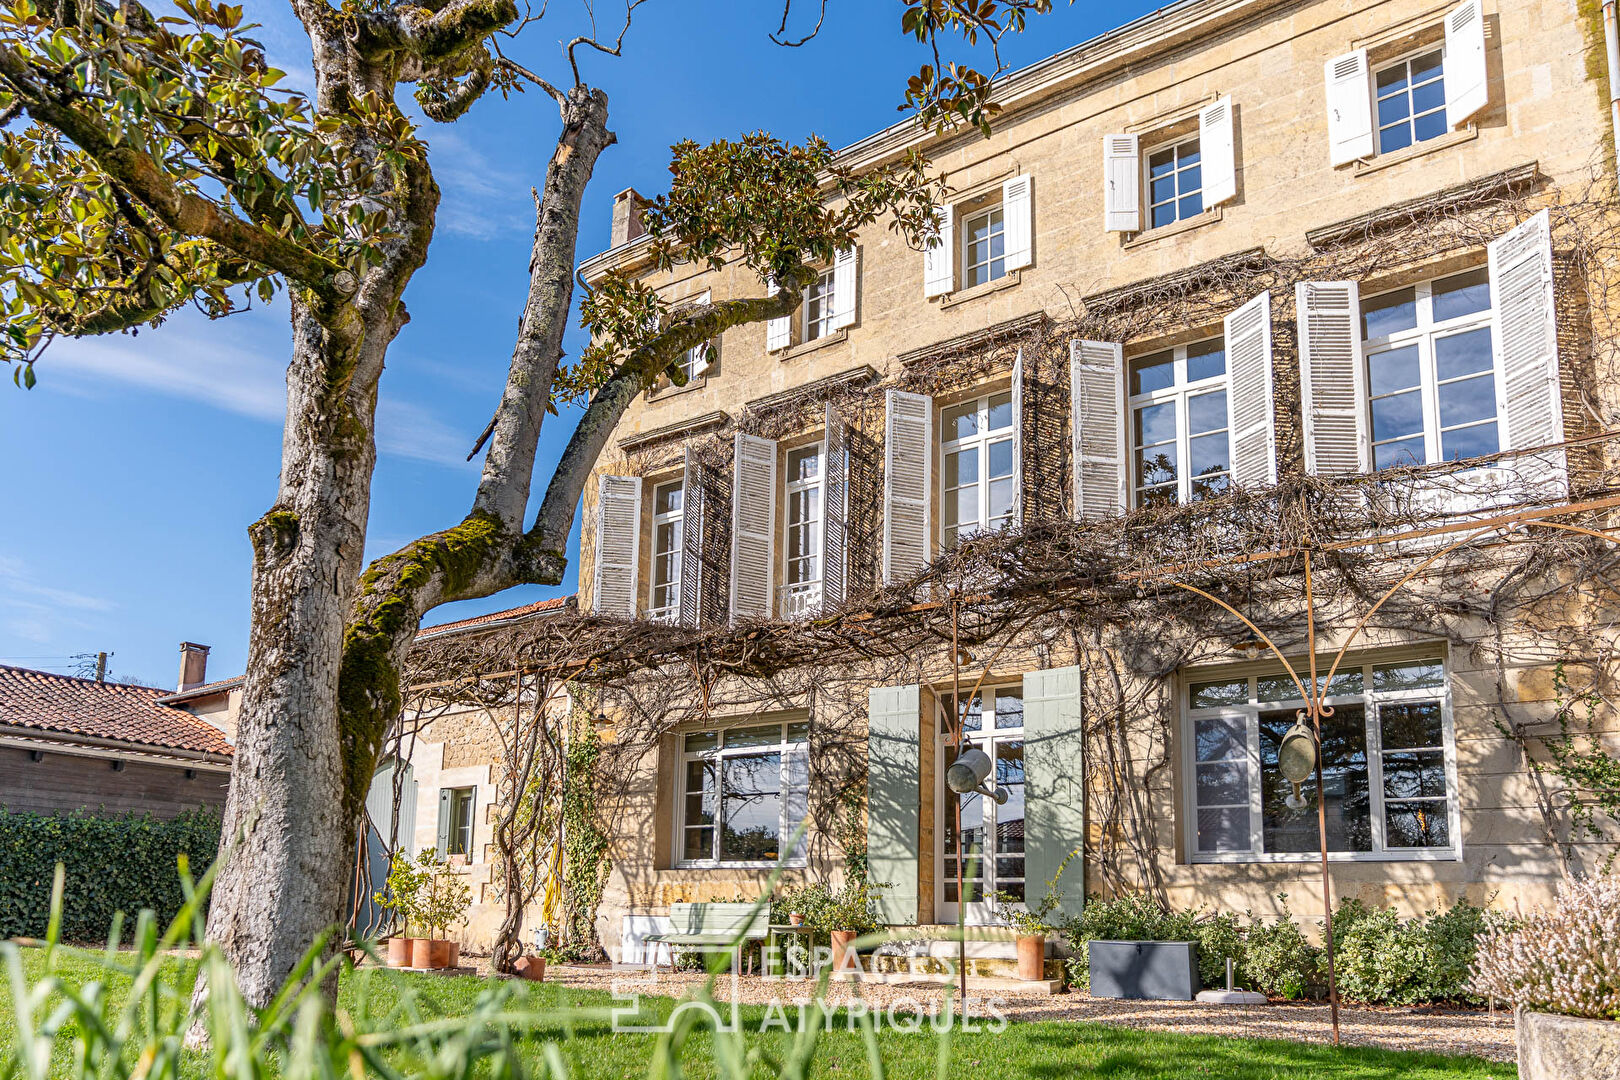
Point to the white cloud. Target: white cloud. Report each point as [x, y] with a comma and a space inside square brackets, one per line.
[39, 613]
[482, 200]
[408, 430]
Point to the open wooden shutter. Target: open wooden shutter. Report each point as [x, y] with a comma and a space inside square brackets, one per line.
[939, 258]
[1097, 412]
[845, 268]
[1054, 786]
[778, 333]
[1016, 203]
[1250, 401]
[1529, 403]
[908, 476]
[835, 513]
[1122, 183]
[894, 799]
[442, 842]
[618, 545]
[753, 526]
[692, 511]
[1333, 378]
[1349, 108]
[1467, 91]
[1218, 147]
[1018, 437]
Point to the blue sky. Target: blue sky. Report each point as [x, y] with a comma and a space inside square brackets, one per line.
[135, 466]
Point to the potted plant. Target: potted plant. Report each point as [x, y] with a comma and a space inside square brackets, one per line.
[441, 903]
[845, 915]
[401, 897]
[1560, 969]
[1030, 925]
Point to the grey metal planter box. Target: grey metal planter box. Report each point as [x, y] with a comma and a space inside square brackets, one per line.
[1160, 970]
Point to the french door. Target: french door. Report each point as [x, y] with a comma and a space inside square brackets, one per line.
[988, 849]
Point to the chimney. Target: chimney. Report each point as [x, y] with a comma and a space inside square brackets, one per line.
[193, 666]
[627, 226]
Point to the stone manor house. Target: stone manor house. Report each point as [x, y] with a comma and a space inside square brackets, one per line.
[1227, 244]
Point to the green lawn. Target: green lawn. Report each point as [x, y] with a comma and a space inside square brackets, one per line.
[578, 1021]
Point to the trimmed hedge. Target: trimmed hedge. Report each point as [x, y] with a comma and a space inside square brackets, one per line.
[114, 863]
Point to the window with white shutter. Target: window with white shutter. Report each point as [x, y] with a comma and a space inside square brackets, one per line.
[618, 545]
[845, 277]
[1097, 412]
[820, 308]
[1121, 184]
[803, 527]
[835, 569]
[1180, 424]
[1217, 139]
[1175, 178]
[908, 455]
[753, 521]
[1017, 199]
[1248, 361]
[1527, 339]
[1332, 378]
[939, 258]
[1467, 91]
[978, 467]
[664, 594]
[1349, 108]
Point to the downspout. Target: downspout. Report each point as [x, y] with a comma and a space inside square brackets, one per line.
[1611, 45]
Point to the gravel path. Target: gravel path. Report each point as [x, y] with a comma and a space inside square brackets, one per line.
[1436, 1030]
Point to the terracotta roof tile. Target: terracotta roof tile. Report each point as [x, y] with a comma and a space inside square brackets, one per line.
[44, 701]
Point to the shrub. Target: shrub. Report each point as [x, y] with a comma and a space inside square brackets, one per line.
[1386, 960]
[1565, 959]
[1278, 960]
[124, 862]
[1133, 917]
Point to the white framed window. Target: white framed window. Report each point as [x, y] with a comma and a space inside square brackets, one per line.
[802, 521]
[1388, 757]
[1175, 183]
[744, 792]
[456, 821]
[984, 247]
[694, 362]
[1431, 371]
[978, 487]
[664, 602]
[1179, 424]
[820, 306]
[990, 845]
[1410, 97]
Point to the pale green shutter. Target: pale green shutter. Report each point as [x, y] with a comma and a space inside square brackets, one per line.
[443, 839]
[1054, 786]
[894, 799]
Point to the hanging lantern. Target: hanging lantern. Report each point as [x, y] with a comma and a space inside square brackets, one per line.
[1296, 759]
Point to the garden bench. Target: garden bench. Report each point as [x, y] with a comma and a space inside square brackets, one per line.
[697, 925]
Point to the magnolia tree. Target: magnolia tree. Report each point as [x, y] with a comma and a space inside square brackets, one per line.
[154, 159]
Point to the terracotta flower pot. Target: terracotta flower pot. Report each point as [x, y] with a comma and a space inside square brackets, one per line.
[399, 952]
[430, 953]
[844, 958]
[795, 919]
[532, 968]
[1032, 957]
[455, 954]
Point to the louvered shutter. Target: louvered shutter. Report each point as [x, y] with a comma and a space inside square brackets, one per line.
[1016, 204]
[1097, 413]
[618, 545]
[894, 799]
[753, 526]
[1333, 378]
[835, 513]
[778, 333]
[1467, 91]
[1249, 396]
[441, 841]
[908, 455]
[1018, 437]
[1054, 785]
[1349, 108]
[1526, 335]
[692, 509]
[1216, 144]
[1122, 183]
[939, 258]
[845, 275]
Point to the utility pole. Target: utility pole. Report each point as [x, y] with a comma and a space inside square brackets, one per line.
[101, 667]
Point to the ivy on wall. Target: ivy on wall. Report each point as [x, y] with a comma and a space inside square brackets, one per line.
[585, 844]
[114, 863]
